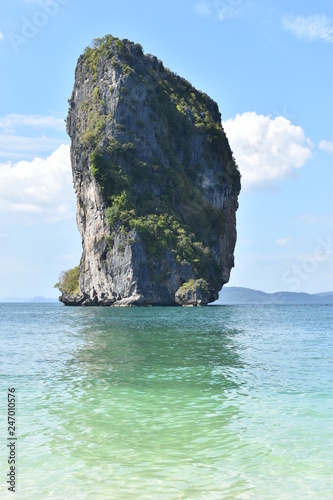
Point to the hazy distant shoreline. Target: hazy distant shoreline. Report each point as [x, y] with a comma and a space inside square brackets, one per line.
[25, 300]
[228, 296]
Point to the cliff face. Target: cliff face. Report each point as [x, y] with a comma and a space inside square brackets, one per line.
[155, 180]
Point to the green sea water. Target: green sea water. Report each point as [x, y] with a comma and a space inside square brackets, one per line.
[230, 402]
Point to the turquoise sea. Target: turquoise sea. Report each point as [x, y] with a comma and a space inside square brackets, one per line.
[231, 402]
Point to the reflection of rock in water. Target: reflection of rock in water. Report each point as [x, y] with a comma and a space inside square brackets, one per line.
[150, 393]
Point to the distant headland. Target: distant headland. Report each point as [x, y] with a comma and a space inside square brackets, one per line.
[239, 295]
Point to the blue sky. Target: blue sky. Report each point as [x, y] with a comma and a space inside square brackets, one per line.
[267, 63]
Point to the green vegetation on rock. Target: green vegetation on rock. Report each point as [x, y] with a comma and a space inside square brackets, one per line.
[69, 281]
[193, 286]
[108, 46]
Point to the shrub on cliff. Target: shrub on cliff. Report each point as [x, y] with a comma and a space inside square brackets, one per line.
[69, 281]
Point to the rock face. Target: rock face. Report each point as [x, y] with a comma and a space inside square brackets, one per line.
[155, 180]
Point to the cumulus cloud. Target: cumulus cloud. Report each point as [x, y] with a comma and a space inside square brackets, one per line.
[311, 28]
[283, 241]
[266, 149]
[326, 146]
[41, 187]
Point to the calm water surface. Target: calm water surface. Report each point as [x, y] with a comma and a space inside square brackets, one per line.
[229, 402]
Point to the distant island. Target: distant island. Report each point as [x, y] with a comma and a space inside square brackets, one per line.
[239, 295]
[29, 300]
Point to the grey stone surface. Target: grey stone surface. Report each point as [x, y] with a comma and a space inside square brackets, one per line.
[119, 273]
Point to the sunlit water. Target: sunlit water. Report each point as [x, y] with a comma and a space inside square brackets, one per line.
[229, 402]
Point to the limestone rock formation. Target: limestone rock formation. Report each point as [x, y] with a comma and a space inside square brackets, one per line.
[155, 180]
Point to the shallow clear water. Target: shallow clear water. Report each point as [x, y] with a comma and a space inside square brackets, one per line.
[229, 402]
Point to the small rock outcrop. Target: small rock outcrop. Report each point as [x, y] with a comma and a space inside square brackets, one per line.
[155, 179]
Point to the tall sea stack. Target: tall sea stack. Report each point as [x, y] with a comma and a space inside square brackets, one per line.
[155, 179]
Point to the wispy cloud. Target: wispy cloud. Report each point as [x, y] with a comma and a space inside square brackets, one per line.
[13, 122]
[1, 36]
[69, 256]
[311, 28]
[21, 147]
[25, 136]
[283, 241]
[317, 219]
[326, 146]
[218, 9]
[272, 150]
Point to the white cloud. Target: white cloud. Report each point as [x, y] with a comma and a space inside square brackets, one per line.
[219, 9]
[1, 35]
[311, 28]
[283, 241]
[326, 146]
[266, 149]
[41, 187]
